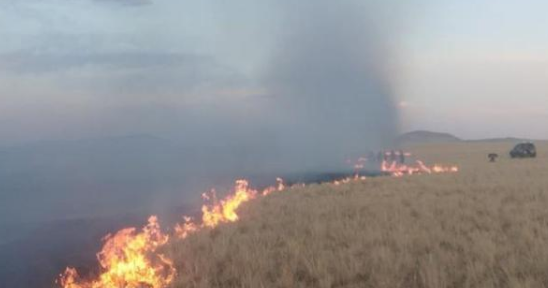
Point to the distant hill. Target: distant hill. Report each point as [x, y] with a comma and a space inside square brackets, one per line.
[507, 139]
[422, 136]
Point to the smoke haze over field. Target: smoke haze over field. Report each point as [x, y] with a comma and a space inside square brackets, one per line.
[225, 90]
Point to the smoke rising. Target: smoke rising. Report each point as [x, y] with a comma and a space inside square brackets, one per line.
[329, 77]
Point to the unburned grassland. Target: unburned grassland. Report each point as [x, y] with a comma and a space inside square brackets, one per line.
[486, 226]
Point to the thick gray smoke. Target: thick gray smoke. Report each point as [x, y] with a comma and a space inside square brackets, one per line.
[329, 79]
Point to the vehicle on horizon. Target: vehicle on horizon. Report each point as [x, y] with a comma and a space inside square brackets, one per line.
[524, 150]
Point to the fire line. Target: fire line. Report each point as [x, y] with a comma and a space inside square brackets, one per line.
[131, 258]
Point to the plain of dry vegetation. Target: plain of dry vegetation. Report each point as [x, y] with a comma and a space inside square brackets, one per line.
[486, 226]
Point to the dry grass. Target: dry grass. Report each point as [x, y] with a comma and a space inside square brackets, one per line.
[484, 227]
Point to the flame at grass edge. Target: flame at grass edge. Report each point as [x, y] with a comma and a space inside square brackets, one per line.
[130, 259]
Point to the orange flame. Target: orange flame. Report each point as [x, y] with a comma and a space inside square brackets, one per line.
[183, 230]
[399, 170]
[225, 210]
[130, 260]
[280, 186]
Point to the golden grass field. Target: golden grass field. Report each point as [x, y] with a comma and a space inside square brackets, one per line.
[486, 226]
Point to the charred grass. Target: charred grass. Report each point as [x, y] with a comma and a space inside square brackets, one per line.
[486, 226]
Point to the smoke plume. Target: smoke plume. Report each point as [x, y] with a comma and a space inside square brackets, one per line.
[330, 79]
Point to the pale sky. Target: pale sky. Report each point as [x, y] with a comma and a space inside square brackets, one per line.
[478, 69]
[89, 68]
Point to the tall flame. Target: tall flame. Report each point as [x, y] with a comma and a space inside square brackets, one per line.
[130, 260]
[225, 210]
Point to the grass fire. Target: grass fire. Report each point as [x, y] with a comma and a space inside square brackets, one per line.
[273, 144]
[418, 226]
[131, 259]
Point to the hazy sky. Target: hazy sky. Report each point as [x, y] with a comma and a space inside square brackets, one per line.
[88, 68]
